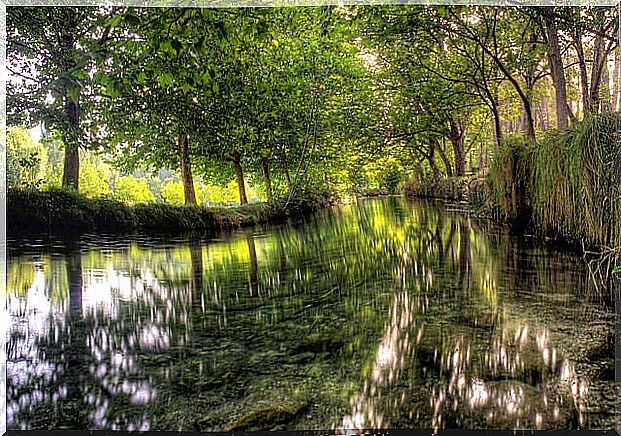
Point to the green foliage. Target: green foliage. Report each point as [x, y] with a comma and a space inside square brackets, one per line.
[132, 190]
[93, 181]
[26, 161]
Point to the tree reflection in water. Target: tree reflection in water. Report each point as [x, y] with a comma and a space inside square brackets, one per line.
[386, 313]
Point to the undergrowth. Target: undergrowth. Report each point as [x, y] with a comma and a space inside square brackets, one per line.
[64, 210]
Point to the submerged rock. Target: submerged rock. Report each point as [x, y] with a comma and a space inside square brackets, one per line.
[265, 417]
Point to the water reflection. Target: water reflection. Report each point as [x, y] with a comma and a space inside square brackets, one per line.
[386, 313]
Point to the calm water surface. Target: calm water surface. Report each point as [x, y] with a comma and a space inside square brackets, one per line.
[385, 313]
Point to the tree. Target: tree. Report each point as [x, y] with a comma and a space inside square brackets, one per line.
[50, 53]
[158, 86]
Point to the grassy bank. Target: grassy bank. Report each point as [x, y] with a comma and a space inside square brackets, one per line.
[60, 211]
[568, 185]
[565, 187]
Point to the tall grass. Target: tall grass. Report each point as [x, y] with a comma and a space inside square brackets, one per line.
[509, 180]
[600, 140]
[569, 183]
[556, 184]
[575, 184]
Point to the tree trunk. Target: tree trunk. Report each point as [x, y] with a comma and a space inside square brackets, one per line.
[546, 111]
[605, 90]
[186, 171]
[556, 67]
[599, 63]
[71, 170]
[265, 164]
[497, 124]
[239, 175]
[431, 158]
[616, 95]
[71, 129]
[584, 79]
[445, 159]
[457, 141]
[434, 166]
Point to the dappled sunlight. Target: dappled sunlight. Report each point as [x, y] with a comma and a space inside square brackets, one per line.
[101, 295]
[390, 360]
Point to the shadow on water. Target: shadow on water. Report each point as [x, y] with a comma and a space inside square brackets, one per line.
[384, 313]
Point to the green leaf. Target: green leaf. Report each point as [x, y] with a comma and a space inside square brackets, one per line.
[166, 79]
[115, 21]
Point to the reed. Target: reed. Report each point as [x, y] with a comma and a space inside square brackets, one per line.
[509, 180]
[569, 183]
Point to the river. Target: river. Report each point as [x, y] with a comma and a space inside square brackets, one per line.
[385, 313]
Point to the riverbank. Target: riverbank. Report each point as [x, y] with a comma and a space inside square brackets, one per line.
[566, 187]
[447, 188]
[58, 211]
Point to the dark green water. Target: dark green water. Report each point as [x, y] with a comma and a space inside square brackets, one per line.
[385, 313]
